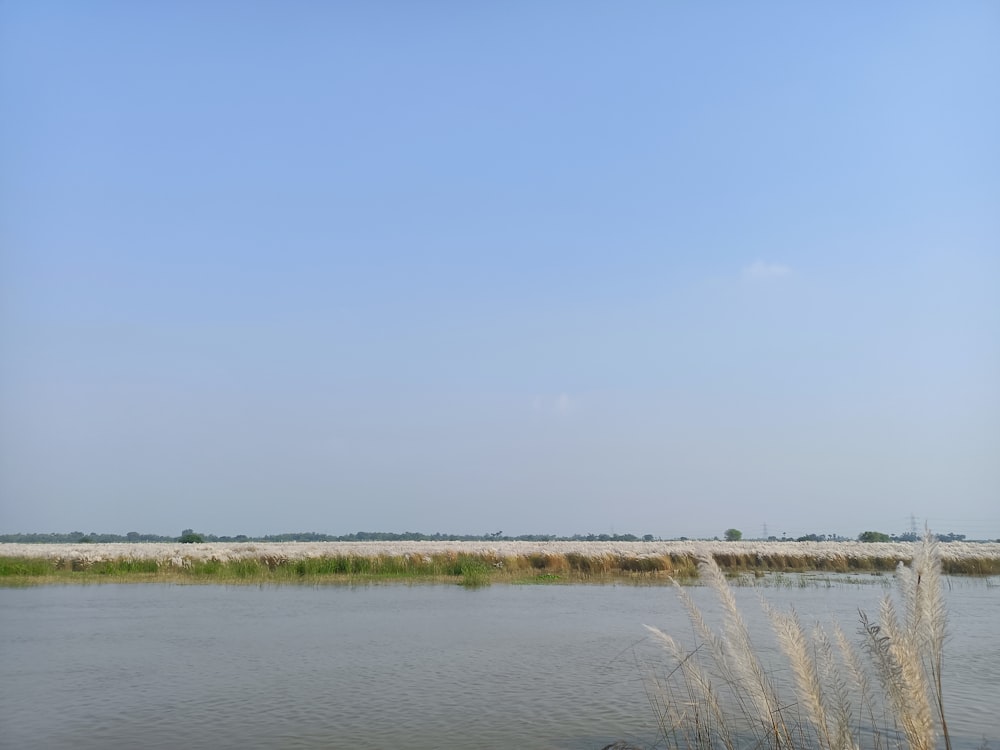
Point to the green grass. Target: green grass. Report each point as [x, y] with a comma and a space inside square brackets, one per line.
[124, 567]
[24, 567]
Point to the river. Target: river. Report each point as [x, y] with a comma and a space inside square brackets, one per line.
[393, 666]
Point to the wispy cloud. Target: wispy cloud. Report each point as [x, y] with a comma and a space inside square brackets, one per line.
[563, 403]
[760, 269]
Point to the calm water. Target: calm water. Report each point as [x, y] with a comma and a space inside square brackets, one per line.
[166, 666]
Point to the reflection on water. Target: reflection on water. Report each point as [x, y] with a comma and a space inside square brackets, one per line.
[391, 666]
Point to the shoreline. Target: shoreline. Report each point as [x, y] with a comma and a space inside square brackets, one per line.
[467, 563]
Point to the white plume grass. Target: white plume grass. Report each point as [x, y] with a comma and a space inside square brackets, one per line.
[831, 700]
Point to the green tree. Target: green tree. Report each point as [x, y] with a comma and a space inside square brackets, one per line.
[873, 536]
[188, 536]
[733, 535]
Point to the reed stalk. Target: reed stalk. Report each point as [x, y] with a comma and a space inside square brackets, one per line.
[829, 702]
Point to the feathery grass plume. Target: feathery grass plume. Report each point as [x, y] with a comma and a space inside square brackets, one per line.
[861, 685]
[746, 674]
[926, 616]
[793, 642]
[833, 705]
[910, 653]
[838, 697]
[703, 631]
[910, 688]
[907, 655]
[698, 685]
[886, 668]
[708, 719]
[722, 660]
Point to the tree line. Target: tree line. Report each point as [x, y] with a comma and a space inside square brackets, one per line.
[189, 535]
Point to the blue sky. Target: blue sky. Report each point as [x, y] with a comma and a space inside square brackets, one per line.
[653, 267]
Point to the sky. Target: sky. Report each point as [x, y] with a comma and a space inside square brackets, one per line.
[540, 268]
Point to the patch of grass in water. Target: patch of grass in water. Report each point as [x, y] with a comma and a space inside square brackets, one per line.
[124, 567]
[203, 568]
[25, 566]
[246, 568]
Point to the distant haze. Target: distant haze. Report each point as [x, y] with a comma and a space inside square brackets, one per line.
[540, 268]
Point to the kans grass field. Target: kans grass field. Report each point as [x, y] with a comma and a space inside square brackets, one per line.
[469, 563]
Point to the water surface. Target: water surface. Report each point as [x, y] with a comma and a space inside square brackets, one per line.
[389, 666]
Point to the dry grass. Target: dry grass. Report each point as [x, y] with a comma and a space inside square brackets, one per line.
[719, 695]
[497, 561]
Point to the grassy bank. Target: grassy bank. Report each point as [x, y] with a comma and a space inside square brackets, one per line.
[465, 563]
[461, 568]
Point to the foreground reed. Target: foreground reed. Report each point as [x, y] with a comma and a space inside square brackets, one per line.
[830, 694]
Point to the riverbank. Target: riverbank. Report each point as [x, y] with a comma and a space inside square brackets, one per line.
[470, 563]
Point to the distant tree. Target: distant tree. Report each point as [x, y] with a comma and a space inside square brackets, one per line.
[733, 535]
[132, 536]
[873, 536]
[951, 537]
[647, 537]
[188, 536]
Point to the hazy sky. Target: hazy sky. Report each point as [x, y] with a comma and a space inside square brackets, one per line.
[539, 267]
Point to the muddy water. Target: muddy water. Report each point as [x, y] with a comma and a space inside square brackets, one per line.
[391, 666]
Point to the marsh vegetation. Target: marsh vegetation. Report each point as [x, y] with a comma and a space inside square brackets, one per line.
[827, 693]
[472, 563]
